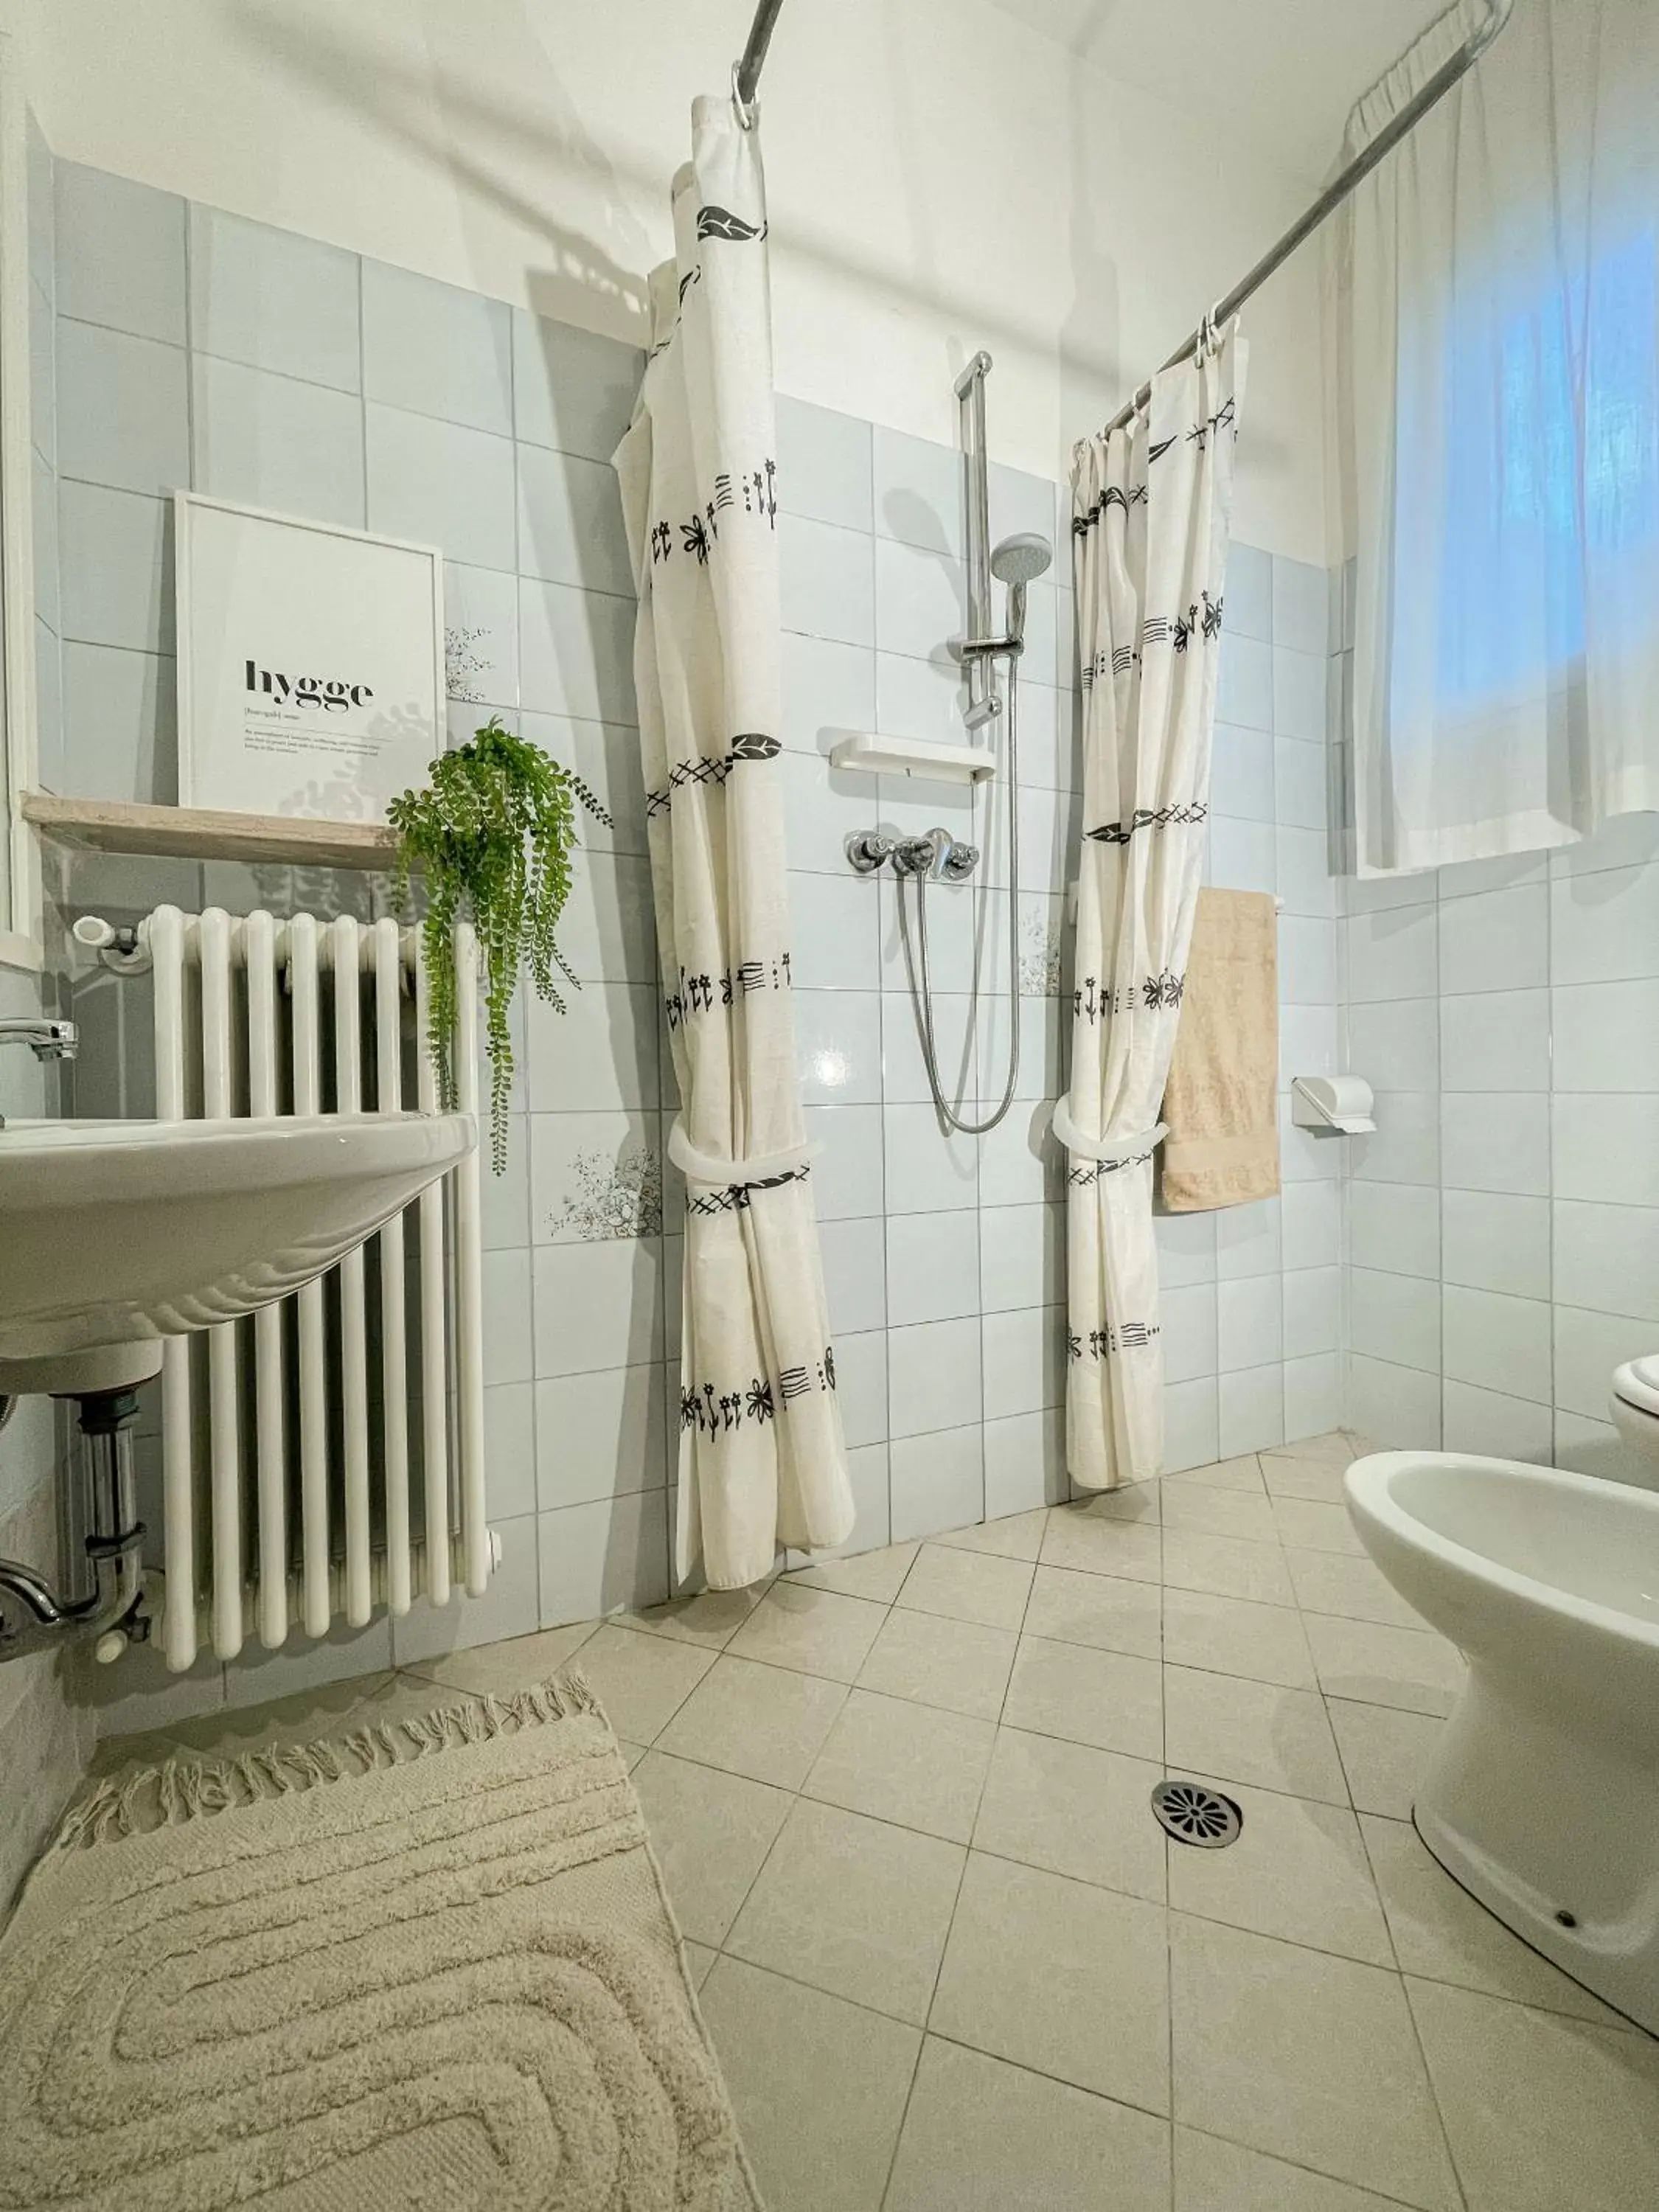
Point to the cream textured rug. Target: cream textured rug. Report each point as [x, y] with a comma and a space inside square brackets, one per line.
[427, 1966]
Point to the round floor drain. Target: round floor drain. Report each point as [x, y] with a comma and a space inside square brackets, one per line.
[1192, 1814]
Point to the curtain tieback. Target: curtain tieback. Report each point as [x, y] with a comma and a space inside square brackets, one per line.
[1116, 1150]
[765, 1167]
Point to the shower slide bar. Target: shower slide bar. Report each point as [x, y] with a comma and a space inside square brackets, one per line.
[253, 1014]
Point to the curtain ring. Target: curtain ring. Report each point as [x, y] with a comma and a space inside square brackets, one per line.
[747, 110]
[1209, 336]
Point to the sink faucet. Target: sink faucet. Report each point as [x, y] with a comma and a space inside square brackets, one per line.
[47, 1039]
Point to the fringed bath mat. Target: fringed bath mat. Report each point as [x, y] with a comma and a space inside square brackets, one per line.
[429, 1967]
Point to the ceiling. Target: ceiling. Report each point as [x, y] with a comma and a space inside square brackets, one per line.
[1282, 72]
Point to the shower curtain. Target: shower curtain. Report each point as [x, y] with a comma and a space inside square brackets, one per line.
[762, 1462]
[1150, 523]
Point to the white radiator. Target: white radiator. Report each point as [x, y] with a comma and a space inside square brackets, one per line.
[325, 1456]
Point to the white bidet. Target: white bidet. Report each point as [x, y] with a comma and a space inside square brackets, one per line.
[1542, 1797]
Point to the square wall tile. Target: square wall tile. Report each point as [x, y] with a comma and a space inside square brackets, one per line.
[1243, 855]
[1025, 1462]
[442, 483]
[1496, 1241]
[1606, 1036]
[1498, 1041]
[572, 389]
[1496, 1140]
[1313, 1396]
[611, 1557]
[1249, 593]
[1024, 1361]
[934, 1384]
[115, 568]
[1310, 1224]
[824, 465]
[600, 1435]
[120, 253]
[1398, 1407]
[122, 410]
[1301, 605]
[593, 1302]
[838, 1047]
[921, 602]
[1245, 694]
[1396, 1227]
[1392, 953]
[1299, 680]
[826, 582]
[576, 649]
[1189, 1333]
[1394, 1043]
[1241, 772]
[1186, 1248]
[1496, 1342]
[271, 441]
[1249, 1332]
[1299, 783]
[570, 521]
[1606, 1254]
[273, 299]
[855, 1275]
[1604, 927]
[605, 754]
[1497, 1425]
[1607, 1148]
[932, 1270]
[861, 1386]
[1251, 1404]
[1313, 1311]
[436, 349]
[1394, 1318]
[1588, 1347]
[935, 1482]
[828, 688]
[919, 495]
[1497, 940]
[481, 638]
[1406, 1145]
[847, 1175]
[120, 724]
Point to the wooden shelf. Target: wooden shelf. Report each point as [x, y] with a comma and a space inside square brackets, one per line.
[185, 833]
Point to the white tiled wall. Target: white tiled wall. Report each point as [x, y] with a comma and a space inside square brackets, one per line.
[1503, 1221]
[193, 347]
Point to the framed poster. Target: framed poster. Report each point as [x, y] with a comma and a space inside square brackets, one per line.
[311, 663]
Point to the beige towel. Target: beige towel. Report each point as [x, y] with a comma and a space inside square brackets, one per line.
[1222, 1099]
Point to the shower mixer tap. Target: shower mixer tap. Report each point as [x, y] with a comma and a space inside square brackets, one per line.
[938, 854]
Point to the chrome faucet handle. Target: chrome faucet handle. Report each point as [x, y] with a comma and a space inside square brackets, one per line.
[45, 1037]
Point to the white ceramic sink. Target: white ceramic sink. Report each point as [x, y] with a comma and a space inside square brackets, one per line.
[116, 1234]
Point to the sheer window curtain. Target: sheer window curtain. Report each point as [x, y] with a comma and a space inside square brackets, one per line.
[762, 1461]
[1152, 510]
[1497, 329]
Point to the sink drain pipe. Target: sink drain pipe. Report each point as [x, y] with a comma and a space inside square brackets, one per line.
[32, 1616]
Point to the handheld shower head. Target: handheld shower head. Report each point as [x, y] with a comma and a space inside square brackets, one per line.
[1021, 559]
[1017, 561]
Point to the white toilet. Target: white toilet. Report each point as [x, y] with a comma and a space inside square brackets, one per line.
[1542, 1795]
[1634, 1405]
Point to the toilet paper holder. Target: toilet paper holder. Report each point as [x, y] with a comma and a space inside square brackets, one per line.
[1340, 1102]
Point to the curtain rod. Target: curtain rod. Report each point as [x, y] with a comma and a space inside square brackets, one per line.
[746, 73]
[1333, 194]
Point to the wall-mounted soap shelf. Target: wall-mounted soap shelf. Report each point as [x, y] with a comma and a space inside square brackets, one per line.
[861, 749]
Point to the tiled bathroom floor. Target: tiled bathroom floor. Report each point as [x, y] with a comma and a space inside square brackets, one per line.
[950, 1963]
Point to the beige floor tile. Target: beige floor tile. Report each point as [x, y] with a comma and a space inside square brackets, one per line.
[1442, 1934]
[1233, 1635]
[855, 1907]
[981, 2136]
[1087, 1538]
[1299, 1870]
[1319, 1481]
[904, 1762]
[1544, 2113]
[980, 1586]
[1212, 2175]
[698, 1960]
[711, 1832]
[500, 1669]
[765, 1722]
[1104, 1610]
[1242, 1474]
[875, 1575]
[1376, 1665]
[1226, 1566]
[1074, 1810]
[1133, 1501]
[1247, 1731]
[954, 1663]
[1384, 1753]
[1314, 1525]
[819, 2087]
[641, 1681]
[711, 1618]
[1016, 1536]
[1330, 1581]
[816, 1631]
[1310, 2057]
[1103, 1698]
[632, 1754]
[1213, 1512]
[1061, 1977]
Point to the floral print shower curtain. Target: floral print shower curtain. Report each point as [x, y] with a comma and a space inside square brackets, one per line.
[1152, 507]
[762, 1461]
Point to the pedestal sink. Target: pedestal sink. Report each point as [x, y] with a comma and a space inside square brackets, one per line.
[116, 1234]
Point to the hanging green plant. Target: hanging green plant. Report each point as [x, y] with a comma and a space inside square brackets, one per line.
[492, 835]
